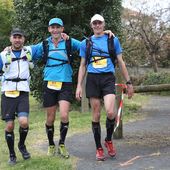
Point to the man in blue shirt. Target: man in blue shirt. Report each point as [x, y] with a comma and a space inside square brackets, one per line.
[100, 82]
[57, 83]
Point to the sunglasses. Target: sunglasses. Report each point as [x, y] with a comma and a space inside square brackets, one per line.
[97, 22]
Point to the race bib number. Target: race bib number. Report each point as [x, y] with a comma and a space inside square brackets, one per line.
[54, 85]
[12, 94]
[99, 63]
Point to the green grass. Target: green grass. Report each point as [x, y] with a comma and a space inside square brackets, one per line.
[37, 140]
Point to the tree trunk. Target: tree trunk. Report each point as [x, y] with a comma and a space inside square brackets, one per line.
[154, 63]
[152, 88]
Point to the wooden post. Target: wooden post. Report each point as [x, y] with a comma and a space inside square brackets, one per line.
[118, 134]
[84, 100]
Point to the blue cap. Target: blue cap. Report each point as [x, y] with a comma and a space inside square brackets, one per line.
[56, 21]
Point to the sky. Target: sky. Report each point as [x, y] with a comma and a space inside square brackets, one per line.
[151, 3]
[150, 7]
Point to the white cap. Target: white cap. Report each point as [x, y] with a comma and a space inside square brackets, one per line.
[97, 17]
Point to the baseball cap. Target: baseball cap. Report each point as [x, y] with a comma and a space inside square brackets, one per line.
[17, 31]
[56, 21]
[97, 17]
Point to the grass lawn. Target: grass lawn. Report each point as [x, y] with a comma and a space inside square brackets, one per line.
[37, 141]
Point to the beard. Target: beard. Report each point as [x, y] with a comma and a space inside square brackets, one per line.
[17, 46]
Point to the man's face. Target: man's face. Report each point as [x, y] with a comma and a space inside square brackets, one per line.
[97, 26]
[55, 30]
[17, 41]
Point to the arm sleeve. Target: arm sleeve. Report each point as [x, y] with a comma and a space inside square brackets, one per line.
[37, 51]
[75, 44]
[1, 63]
[83, 49]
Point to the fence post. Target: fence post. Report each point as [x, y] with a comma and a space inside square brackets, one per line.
[84, 100]
[118, 134]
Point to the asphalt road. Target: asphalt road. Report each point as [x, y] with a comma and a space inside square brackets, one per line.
[145, 146]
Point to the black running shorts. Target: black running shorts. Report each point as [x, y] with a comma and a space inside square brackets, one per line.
[100, 84]
[51, 97]
[10, 107]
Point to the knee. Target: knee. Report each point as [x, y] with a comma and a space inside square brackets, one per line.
[9, 127]
[96, 117]
[110, 114]
[64, 117]
[50, 121]
[24, 123]
[50, 118]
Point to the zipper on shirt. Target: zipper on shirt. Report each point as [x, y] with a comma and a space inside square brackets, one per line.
[18, 73]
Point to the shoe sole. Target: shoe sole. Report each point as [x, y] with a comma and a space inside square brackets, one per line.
[100, 159]
[11, 163]
[25, 158]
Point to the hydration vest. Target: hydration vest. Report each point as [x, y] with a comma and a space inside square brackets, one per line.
[16, 74]
[46, 52]
[9, 59]
[111, 50]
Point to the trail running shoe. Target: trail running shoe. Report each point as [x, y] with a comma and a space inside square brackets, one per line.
[110, 148]
[51, 150]
[62, 151]
[100, 154]
[24, 152]
[12, 159]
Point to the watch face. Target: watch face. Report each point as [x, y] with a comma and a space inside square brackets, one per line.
[128, 82]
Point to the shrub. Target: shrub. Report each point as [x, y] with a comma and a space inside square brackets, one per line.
[156, 78]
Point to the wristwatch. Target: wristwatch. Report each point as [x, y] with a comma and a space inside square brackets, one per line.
[128, 82]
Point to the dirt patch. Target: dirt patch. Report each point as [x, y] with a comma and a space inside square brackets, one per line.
[153, 140]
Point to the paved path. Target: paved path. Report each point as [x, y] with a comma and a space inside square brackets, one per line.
[145, 146]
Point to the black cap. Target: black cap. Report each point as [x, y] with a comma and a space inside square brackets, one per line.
[17, 31]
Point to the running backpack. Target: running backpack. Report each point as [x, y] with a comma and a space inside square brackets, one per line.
[46, 51]
[111, 50]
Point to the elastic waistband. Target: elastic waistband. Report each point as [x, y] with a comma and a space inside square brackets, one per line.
[103, 73]
[21, 92]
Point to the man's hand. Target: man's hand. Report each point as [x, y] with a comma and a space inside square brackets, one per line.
[110, 33]
[130, 91]
[64, 36]
[79, 93]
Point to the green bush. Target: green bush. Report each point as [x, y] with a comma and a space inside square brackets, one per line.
[156, 78]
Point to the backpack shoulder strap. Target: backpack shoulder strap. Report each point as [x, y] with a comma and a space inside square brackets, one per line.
[69, 50]
[111, 49]
[45, 51]
[88, 50]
